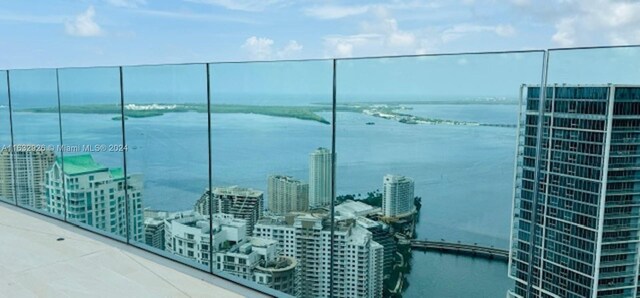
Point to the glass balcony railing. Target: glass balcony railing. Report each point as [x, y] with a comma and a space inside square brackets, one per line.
[364, 177]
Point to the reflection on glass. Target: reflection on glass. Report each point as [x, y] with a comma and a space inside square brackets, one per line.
[167, 158]
[92, 166]
[34, 100]
[426, 147]
[6, 171]
[271, 151]
[424, 159]
[585, 178]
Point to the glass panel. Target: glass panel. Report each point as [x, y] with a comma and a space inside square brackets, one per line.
[36, 134]
[6, 171]
[426, 154]
[271, 149]
[591, 186]
[93, 153]
[167, 156]
[594, 66]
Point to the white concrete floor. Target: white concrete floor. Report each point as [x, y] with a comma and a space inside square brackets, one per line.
[34, 264]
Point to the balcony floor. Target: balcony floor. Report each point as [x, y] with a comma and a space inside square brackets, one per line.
[34, 264]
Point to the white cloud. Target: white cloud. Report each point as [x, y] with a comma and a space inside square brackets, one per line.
[382, 32]
[423, 48]
[244, 5]
[394, 37]
[598, 21]
[461, 30]
[262, 48]
[583, 22]
[401, 39]
[342, 46]
[84, 24]
[331, 12]
[565, 33]
[343, 49]
[291, 50]
[505, 30]
[380, 36]
[258, 47]
[127, 3]
[335, 12]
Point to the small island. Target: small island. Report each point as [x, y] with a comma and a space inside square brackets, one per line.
[153, 110]
[393, 111]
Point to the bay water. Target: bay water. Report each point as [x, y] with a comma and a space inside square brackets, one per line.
[464, 174]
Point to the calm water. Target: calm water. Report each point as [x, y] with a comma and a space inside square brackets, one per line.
[464, 174]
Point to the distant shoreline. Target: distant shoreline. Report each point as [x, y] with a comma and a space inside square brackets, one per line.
[388, 111]
[153, 110]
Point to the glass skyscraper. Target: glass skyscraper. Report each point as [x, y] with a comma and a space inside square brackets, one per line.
[576, 214]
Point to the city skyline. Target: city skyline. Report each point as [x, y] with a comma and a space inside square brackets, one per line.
[186, 233]
[219, 182]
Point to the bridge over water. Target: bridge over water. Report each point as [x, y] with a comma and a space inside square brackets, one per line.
[461, 249]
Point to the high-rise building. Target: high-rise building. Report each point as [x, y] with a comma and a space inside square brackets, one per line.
[257, 259]
[154, 228]
[22, 171]
[280, 274]
[397, 196]
[381, 232]
[187, 234]
[242, 258]
[320, 178]
[286, 194]
[383, 236]
[94, 195]
[358, 260]
[279, 228]
[203, 204]
[576, 208]
[244, 203]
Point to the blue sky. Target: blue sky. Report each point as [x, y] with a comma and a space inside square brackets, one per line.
[59, 33]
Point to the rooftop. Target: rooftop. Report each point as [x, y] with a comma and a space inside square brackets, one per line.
[281, 263]
[355, 208]
[189, 219]
[397, 178]
[285, 178]
[85, 264]
[262, 242]
[80, 164]
[321, 150]
[116, 173]
[237, 191]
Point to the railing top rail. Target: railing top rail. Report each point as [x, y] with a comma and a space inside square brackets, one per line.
[338, 58]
